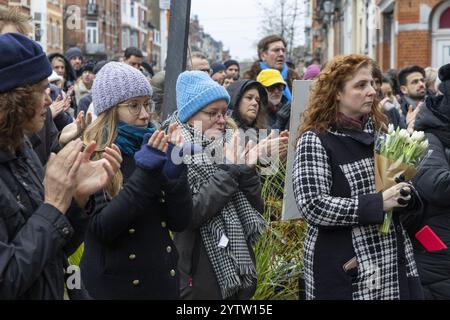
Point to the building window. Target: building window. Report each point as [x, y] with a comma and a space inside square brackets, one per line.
[58, 35]
[92, 32]
[132, 9]
[50, 33]
[37, 32]
[125, 43]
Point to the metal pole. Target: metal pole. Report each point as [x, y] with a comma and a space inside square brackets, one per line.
[176, 54]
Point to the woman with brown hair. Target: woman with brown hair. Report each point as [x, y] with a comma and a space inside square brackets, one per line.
[42, 216]
[345, 255]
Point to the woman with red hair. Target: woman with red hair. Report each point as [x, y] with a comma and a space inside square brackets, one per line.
[345, 255]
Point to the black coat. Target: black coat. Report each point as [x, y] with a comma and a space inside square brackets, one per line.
[35, 238]
[433, 183]
[129, 253]
[46, 141]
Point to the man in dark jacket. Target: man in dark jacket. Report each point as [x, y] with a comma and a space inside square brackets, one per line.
[271, 53]
[433, 183]
[41, 220]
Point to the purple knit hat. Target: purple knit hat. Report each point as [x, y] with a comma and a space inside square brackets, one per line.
[115, 83]
[311, 72]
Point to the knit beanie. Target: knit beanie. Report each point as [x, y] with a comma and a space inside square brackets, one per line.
[231, 62]
[22, 62]
[196, 90]
[117, 82]
[73, 52]
[311, 72]
[217, 67]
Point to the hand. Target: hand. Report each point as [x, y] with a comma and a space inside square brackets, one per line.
[75, 129]
[175, 135]
[384, 101]
[60, 176]
[159, 140]
[57, 107]
[396, 196]
[95, 175]
[234, 150]
[411, 115]
[266, 147]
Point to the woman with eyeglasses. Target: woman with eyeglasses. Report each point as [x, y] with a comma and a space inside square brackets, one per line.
[216, 255]
[129, 253]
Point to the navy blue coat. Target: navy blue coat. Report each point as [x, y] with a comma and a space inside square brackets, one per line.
[129, 253]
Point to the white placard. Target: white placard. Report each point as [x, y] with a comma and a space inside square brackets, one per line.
[300, 99]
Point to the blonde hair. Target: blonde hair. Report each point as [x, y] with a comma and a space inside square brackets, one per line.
[104, 132]
[12, 16]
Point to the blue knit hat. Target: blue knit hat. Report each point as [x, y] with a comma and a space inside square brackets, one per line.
[22, 62]
[196, 90]
[115, 83]
[217, 67]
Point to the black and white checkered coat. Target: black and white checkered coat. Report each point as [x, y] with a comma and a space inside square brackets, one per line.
[334, 188]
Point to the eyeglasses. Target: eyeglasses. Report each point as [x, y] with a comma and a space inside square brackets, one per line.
[215, 116]
[136, 108]
[276, 87]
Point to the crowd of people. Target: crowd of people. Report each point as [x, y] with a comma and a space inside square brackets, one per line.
[171, 208]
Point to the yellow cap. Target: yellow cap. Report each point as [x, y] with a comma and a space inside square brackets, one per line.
[269, 77]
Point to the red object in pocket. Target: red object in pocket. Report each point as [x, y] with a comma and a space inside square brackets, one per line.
[430, 240]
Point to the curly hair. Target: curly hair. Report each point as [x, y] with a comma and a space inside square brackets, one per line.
[323, 107]
[16, 109]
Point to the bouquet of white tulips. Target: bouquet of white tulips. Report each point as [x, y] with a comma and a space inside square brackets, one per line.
[397, 153]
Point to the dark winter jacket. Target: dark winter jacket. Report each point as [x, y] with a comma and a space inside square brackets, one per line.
[129, 253]
[197, 278]
[280, 117]
[433, 183]
[84, 103]
[255, 69]
[334, 187]
[35, 238]
[46, 141]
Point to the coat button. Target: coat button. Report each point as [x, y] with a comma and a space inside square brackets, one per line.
[172, 273]
[163, 193]
[66, 231]
[169, 249]
[162, 200]
[163, 224]
[131, 231]
[132, 256]
[136, 282]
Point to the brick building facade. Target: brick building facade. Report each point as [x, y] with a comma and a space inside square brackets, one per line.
[414, 32]
[395, 33]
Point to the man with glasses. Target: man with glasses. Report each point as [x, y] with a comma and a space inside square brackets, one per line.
[272, 55]
[279, 108]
